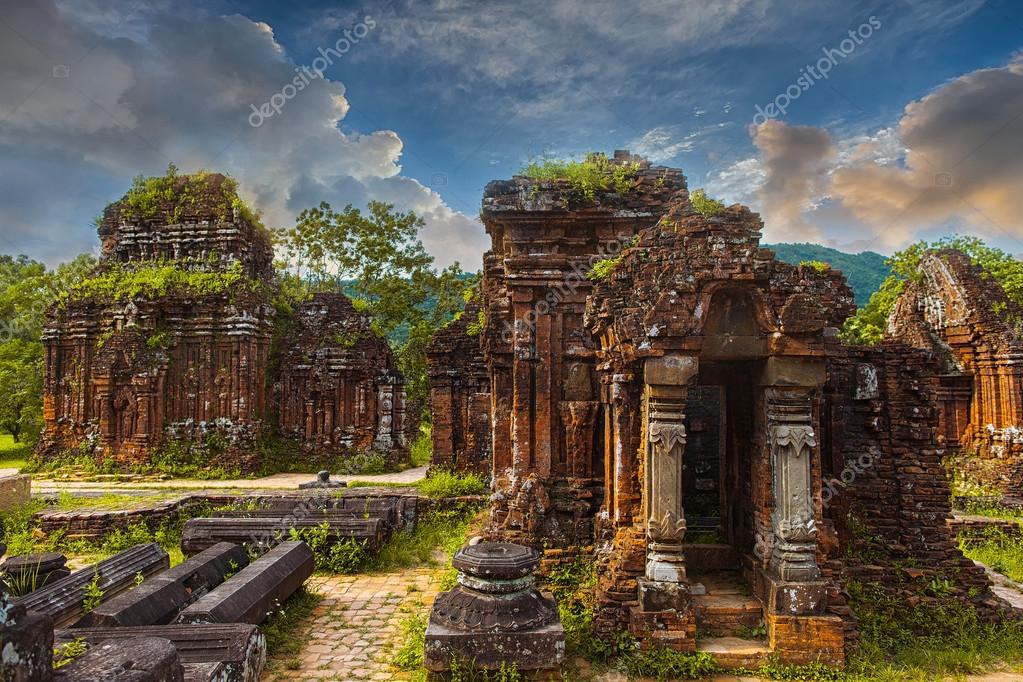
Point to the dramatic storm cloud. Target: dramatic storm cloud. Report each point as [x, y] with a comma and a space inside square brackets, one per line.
[85, 108]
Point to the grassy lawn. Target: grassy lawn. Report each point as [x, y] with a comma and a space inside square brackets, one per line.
[12, 455]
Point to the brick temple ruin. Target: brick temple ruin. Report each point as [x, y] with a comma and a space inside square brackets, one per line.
[963, 317]
[172, 340]
[694, 420]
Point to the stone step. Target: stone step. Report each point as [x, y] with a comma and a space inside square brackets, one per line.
[63, 600]
[200, 534]
[727, 614]
[256, 590]
[732, 652]
[235, 651]
[159, 599]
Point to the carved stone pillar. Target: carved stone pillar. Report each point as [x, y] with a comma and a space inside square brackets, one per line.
[385, 415]
[792, 441]
[665, 518]
[665, 586]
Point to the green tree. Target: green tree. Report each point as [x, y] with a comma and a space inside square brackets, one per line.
[21, 389]
[377, 258]
[27, 287]
[869, 323]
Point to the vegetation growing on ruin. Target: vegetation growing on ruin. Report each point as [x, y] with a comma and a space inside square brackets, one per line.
[817, 265]
[173, 196]
[704, 205]
[158, 280]
[869, 323]
[476, 327]
[595, 173]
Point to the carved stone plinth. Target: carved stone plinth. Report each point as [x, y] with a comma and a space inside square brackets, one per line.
[495, 616]
[322, 481]
[27, 639]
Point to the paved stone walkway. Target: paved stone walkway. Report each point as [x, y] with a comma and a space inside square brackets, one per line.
[354, 630]
[41, 485]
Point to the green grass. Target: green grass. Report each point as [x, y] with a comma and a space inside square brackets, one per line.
[999, 553]
[440, 484]
[422, 447]
[13, 455]
[434, 540]
[593, 174]
[283, 639]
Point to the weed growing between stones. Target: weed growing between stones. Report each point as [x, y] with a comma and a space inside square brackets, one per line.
[284, 640]
[343, 556]
[437, 536]
[704, 205]
[64, 653]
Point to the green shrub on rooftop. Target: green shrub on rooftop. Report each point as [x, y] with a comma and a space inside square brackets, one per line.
[704, 205]
[593, 174]
[160, 279]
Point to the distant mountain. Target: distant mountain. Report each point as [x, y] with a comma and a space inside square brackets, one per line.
[865, 270]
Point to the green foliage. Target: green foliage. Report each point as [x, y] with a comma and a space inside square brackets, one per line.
[870, 321]
[601, 270]
[158, 340]
[21, 389]
[476, 327]
[409, 656]
[820, 266]
[175, 196]
[332, 556]
[68, 651]
[865, 271]
[421, 449]
[869, 324]
[595, 173]
[26, 289]
[998, 551]
[926, 641]
[668, 664]
[93, 594]
[704, 205]
[190, 458]
[377, 259]
[442, 483]
[284, 637]
[150, 282]
[437, 535]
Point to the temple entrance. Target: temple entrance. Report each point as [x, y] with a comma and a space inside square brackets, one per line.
[717, 469]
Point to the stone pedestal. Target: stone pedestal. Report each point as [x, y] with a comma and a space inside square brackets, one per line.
[27, 639]
[322, 480]
[495, 615]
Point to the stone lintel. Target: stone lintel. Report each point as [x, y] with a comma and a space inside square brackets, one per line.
[793, 371]
[670, 370]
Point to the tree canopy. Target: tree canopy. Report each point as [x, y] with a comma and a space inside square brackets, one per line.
[377, 258]
[869, 323]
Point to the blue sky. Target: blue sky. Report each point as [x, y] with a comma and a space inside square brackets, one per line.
[912, 134]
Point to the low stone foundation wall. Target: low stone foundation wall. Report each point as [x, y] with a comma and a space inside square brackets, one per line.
[975, 529]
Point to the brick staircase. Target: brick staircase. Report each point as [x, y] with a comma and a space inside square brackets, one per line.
[729, 620]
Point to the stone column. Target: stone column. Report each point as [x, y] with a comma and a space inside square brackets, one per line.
[665, 586]
[385, 408]
[795, 530]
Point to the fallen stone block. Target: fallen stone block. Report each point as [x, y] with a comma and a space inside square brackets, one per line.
[29, 572]
[256, 590]
[231, 652]
[157, 600]
[15, 491]
[386, 513]
[64, 599]
[141, 659]
[257, 533]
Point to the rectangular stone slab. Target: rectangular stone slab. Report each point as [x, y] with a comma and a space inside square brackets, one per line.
[386, 513]
[200, 534]
[140, 659]
[157, 600]
[256, 590]
[235, 650]
[63, 599]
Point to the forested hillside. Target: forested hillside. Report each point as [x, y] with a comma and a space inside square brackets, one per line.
[865, 270]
